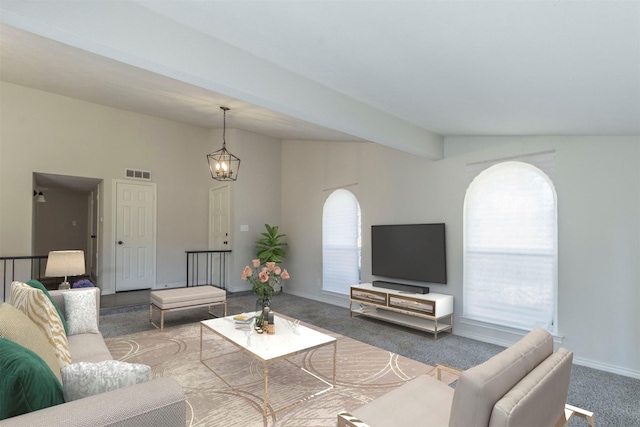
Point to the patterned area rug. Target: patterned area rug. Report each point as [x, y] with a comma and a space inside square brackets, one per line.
[364, 372]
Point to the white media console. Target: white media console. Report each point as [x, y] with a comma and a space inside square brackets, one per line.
[427, 312]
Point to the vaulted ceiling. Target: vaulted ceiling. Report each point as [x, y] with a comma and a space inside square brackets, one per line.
[399, 73]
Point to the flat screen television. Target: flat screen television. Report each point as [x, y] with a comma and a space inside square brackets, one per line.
[409, 251]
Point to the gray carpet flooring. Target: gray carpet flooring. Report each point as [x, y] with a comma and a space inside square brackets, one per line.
[614, 399]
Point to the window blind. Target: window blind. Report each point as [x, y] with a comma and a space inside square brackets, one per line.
[340, 242]
[510, 246]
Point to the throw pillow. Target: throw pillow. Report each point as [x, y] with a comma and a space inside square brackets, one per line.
[36, 284]
[17, 327]
[81, 311]
[85, 379]
[39, 309]
[26, 384]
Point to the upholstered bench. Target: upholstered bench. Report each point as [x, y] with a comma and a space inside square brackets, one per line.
[185, 298]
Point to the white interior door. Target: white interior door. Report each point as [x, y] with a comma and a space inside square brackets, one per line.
[219, 214]
[92, 245]
[219, 233]
[135, 236]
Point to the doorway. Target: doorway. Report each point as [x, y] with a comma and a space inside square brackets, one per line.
[67, 217]
[219, 229]
[219, 238]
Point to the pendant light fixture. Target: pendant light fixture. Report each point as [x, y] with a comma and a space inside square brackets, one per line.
[224, 166]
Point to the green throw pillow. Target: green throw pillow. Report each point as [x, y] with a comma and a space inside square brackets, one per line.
[27, 384]
[36, 284]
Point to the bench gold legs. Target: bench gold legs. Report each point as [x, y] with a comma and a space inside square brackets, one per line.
[163, 311]
[224, 310]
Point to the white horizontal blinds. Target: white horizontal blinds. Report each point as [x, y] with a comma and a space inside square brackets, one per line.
[510, 247]
[340, 242]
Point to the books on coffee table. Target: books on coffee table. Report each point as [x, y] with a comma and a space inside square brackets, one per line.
[243, 321]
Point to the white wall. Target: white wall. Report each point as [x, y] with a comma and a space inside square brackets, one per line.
[43, 132]
[598, 186]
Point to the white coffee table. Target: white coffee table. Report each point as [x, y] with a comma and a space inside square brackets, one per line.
[288, 341]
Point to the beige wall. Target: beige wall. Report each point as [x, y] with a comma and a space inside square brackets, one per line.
[598, 186]
[597, 181]
[47, 133]
[43, 132]
[255, 196]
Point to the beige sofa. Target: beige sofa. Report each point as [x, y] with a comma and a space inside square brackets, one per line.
[525, 385]
[157, 402]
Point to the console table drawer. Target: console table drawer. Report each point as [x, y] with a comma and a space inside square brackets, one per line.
[419, 306]
[369, 296]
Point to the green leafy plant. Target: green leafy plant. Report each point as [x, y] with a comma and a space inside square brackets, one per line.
[270, 247]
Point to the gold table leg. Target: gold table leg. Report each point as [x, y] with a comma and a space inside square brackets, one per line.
[265, 410]
[335, 350]
[266, 389]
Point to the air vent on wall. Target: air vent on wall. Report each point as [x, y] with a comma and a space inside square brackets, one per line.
[137, 174]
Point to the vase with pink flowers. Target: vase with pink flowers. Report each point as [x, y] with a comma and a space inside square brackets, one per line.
[263, 279]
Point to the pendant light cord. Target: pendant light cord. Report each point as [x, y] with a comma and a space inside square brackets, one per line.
[224, 126]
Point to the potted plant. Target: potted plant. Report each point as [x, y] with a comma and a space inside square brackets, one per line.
[271, 247]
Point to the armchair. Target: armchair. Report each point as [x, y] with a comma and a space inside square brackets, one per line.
[524, 385]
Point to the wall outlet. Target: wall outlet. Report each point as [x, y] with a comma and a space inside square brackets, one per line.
[244, 227]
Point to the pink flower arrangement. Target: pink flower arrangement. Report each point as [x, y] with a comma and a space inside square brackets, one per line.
[263, 281]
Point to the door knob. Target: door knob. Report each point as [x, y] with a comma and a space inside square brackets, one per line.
[225, 242]
[119, 242]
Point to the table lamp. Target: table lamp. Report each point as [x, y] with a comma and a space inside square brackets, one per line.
[63, 264]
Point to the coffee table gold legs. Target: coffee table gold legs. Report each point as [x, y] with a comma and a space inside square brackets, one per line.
[335, 351]
[265, 412]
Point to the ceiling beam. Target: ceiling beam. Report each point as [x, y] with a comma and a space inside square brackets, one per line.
[129, 33]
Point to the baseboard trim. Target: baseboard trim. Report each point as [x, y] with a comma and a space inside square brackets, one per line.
[606, 367]
[577, 360]
[338, 300]
[160, 286]
[504, 330]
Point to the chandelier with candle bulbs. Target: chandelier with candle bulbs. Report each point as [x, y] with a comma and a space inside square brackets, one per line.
[223, 165]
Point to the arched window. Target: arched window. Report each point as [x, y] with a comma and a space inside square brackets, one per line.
[510, 247]
[340, 242]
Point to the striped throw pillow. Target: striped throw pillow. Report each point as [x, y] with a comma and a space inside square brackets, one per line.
[35, 304]
[17, 327]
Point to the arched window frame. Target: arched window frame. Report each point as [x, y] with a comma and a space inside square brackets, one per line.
[341, 242]
[491, 302]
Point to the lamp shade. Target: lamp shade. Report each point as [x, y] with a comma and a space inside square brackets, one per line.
[65, 263]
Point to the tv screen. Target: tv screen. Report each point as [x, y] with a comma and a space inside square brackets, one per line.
[409, 251]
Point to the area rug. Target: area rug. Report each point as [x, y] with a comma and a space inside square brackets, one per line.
[363, 372]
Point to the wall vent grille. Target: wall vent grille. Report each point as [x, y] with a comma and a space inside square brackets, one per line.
[137, 174]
